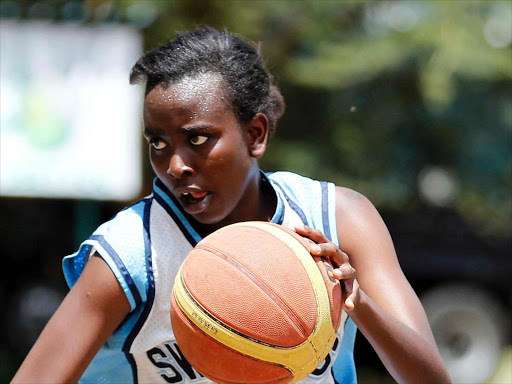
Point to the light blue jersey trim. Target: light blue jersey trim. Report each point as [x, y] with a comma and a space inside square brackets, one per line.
[116, 264]
[177, 212]
[304, 196]
[98, 370]
[74, 264]
[316, 201]
[331, 213]
[277, 218]
[343, 369]
[128, 237]
[120, 243]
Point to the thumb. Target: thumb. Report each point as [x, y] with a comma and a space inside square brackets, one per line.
[349, 303]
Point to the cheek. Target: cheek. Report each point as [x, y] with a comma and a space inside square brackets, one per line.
[158, 164]
[229, 160]
[230, 180]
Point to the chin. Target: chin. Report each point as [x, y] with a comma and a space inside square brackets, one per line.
[208, 219]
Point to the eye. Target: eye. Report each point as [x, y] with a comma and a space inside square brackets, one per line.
[157, 143]
[198, 139]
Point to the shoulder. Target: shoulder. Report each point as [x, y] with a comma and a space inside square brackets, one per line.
[122, 243]
[126, 228]
[358, 221]
[353, 205]
[128, 218]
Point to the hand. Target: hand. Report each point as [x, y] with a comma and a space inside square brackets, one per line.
[343, 271]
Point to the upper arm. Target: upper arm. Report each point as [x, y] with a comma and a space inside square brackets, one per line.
[363, 235]
[89, 314]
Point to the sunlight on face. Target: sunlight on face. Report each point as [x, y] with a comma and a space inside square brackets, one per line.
[190, 87]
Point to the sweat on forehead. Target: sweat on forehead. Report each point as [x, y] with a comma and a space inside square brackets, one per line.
[191, 97]
[204, 85]
[248, 86]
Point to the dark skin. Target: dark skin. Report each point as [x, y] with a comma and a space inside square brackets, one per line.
[207, 153]
[208, 160]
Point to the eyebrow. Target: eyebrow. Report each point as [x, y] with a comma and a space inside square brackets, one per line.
[151, 132]
[197, 127]
[186, 129]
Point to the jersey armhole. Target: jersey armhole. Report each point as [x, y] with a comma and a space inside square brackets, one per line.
[73, 266]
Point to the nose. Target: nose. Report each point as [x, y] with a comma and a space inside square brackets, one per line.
[178, 167]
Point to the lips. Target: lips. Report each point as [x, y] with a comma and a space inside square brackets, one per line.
[197, 195]
[193, 200]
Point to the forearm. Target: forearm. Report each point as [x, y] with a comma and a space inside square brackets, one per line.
[408, 356]
[89, 314]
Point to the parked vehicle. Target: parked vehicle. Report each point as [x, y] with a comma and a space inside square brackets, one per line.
[464, 284]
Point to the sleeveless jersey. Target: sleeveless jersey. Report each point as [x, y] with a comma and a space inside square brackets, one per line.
[144, 246]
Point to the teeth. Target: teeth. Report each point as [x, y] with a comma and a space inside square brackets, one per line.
[185, 194]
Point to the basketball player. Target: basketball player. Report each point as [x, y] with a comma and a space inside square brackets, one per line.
[210, 108]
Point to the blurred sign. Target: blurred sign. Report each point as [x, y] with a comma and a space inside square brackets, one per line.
[70, 121]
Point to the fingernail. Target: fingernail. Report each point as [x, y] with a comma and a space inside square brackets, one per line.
[315, 248]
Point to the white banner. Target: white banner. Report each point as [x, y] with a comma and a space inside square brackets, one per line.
[70, 122]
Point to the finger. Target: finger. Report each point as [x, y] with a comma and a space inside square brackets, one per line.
[313, 234]
[330, 250]
[325, 249]
[349, 303]
[344, 272]
[350, 293]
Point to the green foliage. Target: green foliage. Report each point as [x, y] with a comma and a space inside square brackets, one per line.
[379, 91]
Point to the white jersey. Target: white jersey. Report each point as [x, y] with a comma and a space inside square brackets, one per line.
[146, 243]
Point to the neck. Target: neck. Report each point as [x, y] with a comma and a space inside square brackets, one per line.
[258, 204]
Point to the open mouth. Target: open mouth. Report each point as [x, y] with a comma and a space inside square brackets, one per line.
[195, 202]
[194, 197]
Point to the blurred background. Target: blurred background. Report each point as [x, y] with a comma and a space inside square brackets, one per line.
[408, 102]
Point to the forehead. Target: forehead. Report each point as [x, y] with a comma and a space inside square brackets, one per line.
[204, 85]
[193, 95]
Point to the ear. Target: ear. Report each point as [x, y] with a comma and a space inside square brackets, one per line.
[257, 135]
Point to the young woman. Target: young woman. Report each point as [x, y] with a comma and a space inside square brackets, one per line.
[210, 108]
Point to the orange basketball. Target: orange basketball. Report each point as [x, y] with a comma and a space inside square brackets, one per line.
[251, 305]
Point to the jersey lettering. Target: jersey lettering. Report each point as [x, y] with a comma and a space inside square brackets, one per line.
[163, 363]
[174, 366]
[182, 362]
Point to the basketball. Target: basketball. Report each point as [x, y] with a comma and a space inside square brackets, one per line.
[250, 304]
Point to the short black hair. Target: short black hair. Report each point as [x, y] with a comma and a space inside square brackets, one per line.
[249, 83]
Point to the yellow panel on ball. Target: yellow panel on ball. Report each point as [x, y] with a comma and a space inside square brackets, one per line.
[250, 304]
